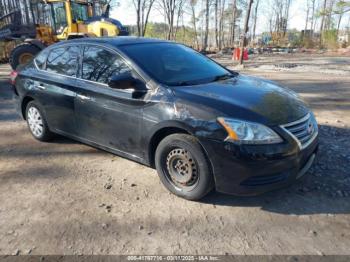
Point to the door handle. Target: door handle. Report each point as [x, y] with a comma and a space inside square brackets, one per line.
[41, 86]
[83, 97]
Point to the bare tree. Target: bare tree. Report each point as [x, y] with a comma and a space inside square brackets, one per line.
[179, 14]
[313, 18]
[255, 17]
[193, 4]
[308, 7]
[323, 20]
[206, 32]
[286, 16]
[341, 8]
[221, 24]
[171, 8]
[233, 21]
[246, 23]
[143, 9]
[278, 18]
[216, 8]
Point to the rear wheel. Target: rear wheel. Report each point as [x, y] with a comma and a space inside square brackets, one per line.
[22, 54]
[37, 123]
[183, 167]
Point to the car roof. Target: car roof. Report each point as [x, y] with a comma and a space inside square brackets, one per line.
[115, 41]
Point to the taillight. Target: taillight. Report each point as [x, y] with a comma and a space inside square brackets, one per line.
[13, 76]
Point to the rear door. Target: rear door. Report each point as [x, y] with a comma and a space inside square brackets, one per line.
[57, 86]
[106, 116]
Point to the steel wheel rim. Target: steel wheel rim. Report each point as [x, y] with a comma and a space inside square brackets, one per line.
[35, 122]
[182, 169]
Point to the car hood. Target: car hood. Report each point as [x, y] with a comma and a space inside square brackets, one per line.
[244, 97]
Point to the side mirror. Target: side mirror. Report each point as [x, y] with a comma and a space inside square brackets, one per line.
[126, 81]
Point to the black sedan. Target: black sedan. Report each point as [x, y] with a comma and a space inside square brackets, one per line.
[167, 106]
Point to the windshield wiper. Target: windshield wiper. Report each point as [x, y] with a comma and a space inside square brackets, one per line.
[223, 77]
[184, 83]
[203, 81]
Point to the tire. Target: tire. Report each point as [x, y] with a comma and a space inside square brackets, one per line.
[34, 112]
[174, 155]
[22, 54]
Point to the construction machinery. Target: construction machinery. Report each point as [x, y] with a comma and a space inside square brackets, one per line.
[57, 20]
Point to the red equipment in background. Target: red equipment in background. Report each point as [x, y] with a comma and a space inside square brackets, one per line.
[237, 53]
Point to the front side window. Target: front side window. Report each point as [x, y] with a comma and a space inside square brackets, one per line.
[63, 60]
[80, 12]
[173, 64]
[99, 64]
[59, 17]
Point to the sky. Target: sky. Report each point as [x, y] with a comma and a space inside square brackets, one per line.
[125, 13]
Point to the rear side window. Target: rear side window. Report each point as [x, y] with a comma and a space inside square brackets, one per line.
[41, 59]
[99, 64]
[63, 60]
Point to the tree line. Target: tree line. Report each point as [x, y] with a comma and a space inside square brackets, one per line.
[225, 23]
[218, 24]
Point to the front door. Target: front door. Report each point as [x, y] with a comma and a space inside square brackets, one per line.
[106, 116]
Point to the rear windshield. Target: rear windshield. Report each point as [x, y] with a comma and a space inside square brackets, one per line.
[173, 64]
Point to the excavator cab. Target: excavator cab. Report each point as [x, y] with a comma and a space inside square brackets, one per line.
[68, 18]
[59, 17]
[78, 18]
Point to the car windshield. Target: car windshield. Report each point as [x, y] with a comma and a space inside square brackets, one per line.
[175, 64]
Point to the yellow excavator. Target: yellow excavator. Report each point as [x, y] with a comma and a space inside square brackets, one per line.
[63, 20]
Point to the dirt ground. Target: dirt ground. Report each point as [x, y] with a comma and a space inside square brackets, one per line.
[67, 198]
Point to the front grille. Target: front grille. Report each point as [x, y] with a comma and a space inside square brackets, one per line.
[280, 177]
[304, 131]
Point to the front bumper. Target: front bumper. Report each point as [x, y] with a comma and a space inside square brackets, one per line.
[252, 170]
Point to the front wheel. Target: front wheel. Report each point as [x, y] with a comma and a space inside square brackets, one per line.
[183, 167]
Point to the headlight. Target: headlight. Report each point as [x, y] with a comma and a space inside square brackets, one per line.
[242, 132]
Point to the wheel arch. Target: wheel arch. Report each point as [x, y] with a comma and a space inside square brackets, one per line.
[166, 129]
[159, 135]
[25, 102]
